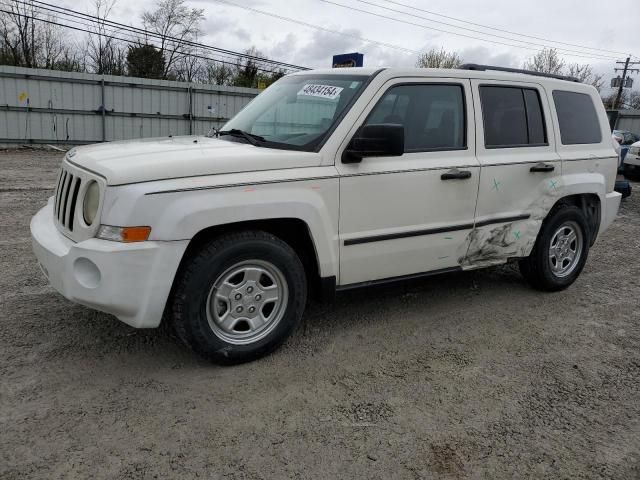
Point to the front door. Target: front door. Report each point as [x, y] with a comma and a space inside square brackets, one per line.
[411, 214]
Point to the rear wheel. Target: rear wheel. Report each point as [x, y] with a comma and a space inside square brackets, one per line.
[560, 252]
[239, 297]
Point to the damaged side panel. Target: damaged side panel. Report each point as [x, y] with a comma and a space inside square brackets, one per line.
[497, 243]
[492, 245]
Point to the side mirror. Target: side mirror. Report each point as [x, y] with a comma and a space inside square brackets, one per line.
[381, 140]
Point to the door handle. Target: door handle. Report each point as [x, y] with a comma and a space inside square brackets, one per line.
[456, 175]
[542, 167]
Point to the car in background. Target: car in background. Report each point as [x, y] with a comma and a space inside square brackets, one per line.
[631, 162]
[625, 138]
[622, 140]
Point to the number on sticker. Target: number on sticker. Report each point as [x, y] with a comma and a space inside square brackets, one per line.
[323, 91]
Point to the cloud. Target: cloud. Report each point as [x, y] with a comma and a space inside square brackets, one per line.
[487, 56]
[318, 51]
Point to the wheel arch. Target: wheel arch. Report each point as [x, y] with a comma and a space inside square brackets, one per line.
[293, 231]
[591, 206]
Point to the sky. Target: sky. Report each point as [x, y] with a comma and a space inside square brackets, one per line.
[585, 23]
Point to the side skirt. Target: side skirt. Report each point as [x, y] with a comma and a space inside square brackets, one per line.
[383, 281]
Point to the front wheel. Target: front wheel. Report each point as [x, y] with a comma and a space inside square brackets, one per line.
[239, 297]
[560, 252]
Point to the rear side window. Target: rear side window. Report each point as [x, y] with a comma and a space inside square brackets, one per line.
[512, 117]
[577, 118]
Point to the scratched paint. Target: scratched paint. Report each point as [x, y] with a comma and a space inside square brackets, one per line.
[493, 245]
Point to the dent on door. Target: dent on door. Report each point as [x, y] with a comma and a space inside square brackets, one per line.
[525, 198]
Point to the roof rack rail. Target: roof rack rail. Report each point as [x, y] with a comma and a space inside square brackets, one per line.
[475, 66]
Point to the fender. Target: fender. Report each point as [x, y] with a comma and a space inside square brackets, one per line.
[180, 215]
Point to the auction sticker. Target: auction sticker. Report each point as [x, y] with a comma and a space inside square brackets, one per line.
[323, 91]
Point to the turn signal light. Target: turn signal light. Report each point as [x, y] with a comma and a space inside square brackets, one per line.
[124, 234]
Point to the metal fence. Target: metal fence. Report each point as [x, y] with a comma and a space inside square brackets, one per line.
[46, 106]
[625, 120]
[628, 120]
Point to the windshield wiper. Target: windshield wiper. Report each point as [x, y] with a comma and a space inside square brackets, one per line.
[252, 138]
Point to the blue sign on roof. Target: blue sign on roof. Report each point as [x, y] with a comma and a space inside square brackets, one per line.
[348, 60]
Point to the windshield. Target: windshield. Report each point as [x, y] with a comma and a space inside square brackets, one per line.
[297, 111]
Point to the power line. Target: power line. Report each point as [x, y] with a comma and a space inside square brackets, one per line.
[123, 39]
[447, 31]
[502, 30]
[317, 27]
[148, 33]
[111, 30]
[84, 16]
[477, 31]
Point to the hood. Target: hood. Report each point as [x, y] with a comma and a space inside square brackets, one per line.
[134, 161]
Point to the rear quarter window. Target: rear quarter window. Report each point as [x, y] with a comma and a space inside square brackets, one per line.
[577, 118]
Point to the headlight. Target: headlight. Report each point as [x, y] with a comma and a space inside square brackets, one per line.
[634, 150]
[91, 202]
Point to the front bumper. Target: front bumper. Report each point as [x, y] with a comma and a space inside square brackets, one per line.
[129, 280]
[632, 159]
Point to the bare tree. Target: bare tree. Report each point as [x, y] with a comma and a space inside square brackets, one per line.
[190, 68]
[435, 58]
[104, 52]
[29, 39]
[177, 25]
[546, 60]
[585, 74]
[217, 73]
[22, 27]
[12, 53]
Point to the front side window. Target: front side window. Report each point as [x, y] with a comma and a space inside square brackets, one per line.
[298, 111]
[433, 116]
[512, 117]
[577, 118]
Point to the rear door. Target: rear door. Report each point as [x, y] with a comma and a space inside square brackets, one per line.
[521, 170]
[411, 214]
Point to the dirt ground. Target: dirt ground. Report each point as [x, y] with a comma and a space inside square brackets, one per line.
[470, 375]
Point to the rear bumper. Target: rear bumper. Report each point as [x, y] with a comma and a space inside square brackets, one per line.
[131, 281]
[609, 210]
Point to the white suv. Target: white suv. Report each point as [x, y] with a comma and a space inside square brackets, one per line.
[331, 180]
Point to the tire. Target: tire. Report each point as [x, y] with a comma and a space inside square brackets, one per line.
[631, 172]
[547, 268]
[219, 285]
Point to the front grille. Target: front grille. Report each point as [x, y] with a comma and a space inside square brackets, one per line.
[66, 199]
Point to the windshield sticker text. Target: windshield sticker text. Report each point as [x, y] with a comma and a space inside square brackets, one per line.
[323, 91]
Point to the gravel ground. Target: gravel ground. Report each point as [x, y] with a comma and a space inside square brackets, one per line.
[470, 375]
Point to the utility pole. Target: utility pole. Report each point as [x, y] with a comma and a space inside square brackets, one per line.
[625, 70]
